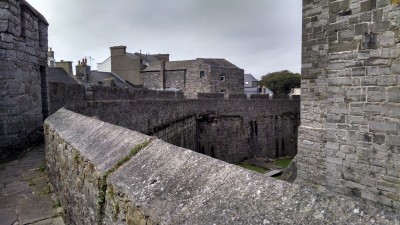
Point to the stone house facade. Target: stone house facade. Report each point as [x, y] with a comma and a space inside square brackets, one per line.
[155, 71]
[194, 76]
[23, 63]
[128, 65]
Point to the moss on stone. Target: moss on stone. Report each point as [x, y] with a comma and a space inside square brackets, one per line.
[103, 181]
[395, 1]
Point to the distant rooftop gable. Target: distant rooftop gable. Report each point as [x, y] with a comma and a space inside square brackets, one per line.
[249, 78]
[97, 76]
[58, 75]
[219, 63]
[184, 64]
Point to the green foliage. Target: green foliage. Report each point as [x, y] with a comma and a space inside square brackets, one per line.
[42, 168]
[253, 167]
[283, 163]
[281, 82]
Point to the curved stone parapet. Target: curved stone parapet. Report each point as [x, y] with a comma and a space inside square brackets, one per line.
[107, 174]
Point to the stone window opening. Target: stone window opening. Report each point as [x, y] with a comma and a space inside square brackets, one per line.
[23, 24]
[222, 77]
[202, 74]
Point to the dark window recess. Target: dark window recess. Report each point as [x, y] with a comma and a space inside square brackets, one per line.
[202, 74]
[369, 41]
[41, 35]
[222, 76]
[222, 91]
[345, 13]
[23, 23]
[43, 86]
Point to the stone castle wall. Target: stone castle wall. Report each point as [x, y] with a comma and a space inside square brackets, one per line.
[258, 128]
[106, 174]
[230, 130]
[23, 62]
[349, 138]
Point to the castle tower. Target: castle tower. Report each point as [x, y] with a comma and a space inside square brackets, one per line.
[349, 138]
[23, 104]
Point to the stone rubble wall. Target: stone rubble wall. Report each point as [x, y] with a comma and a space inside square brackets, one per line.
[257, 128]
[75, 95]
[23, 62]
[105, 174]
[349, 138]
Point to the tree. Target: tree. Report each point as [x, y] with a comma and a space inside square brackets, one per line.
[281, 82]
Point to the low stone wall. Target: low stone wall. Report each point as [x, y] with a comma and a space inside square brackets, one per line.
[65, 95]
[75, 96]
[107, 174]
[210, 95]
[259, 96]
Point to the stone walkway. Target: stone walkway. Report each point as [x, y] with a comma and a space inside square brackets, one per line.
[25, 196]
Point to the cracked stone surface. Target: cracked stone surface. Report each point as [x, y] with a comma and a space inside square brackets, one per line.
[25, 196]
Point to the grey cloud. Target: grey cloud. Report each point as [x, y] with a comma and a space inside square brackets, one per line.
[259, 36]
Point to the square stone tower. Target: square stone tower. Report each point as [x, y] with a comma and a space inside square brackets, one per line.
[23, 63]
[349, 138]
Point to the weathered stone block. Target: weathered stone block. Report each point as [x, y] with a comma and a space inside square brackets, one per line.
[393, 94]
[342, 47]
[361, 29]
[356, 72]
[387, 39]
[391, 110]
[3, 25]
[386, 81]
[5, 37]
[376, 94]
[339, 6]
[378, 139]
[383, 126]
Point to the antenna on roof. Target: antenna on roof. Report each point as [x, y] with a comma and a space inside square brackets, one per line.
[90, 60]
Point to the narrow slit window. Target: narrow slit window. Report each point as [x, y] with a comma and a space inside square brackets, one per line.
[202, 74]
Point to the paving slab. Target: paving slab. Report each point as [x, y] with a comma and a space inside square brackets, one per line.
[14, 187]
[7, 216]
[29, 175]
[36, 208]
[25, 196]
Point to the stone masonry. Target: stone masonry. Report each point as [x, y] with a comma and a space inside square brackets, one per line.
[349, 138]
[23, 47]
[106, 174]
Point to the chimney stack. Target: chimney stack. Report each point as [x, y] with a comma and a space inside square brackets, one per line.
[118, 50]
[83, 70]
[50, 53]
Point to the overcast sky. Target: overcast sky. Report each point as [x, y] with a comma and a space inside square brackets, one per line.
[259, 36]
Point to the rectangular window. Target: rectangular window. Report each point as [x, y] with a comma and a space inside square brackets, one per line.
[202, 74]
[222, 76]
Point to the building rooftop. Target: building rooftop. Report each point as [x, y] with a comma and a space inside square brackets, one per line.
[97, 76]
[58, 75]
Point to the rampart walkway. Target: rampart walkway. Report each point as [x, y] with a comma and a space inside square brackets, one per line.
[25, 196]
